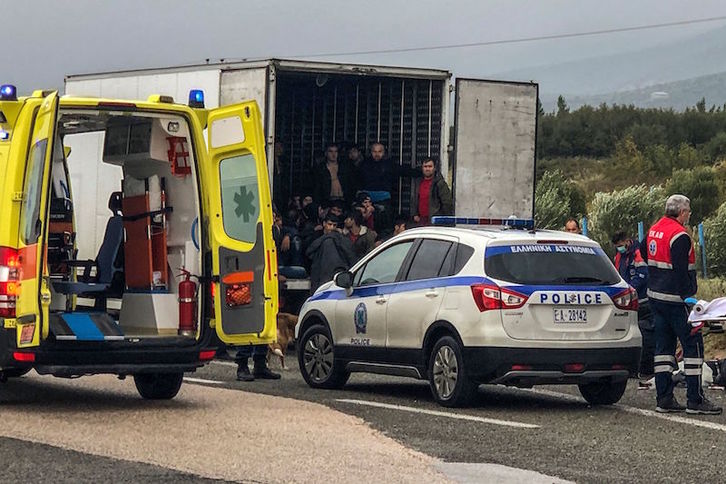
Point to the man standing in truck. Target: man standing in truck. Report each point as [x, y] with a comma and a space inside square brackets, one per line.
[333, 179]
[431, 194]
[377, 176]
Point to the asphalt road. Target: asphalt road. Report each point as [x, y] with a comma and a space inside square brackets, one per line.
[99, 430]
[628, 442]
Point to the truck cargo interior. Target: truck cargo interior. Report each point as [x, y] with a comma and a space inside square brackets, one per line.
[313, 109]
[125, 283]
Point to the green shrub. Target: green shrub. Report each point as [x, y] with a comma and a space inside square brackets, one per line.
[714, 231]
[622, 210]
[556, 200]
[700, 185]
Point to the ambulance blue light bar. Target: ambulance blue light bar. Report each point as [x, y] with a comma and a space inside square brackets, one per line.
[8, 93]
[517, 223]
[196, 98]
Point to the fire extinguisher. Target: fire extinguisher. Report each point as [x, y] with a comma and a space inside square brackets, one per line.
[187, 305]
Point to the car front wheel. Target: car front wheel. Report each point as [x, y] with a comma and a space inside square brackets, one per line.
[603, 392]
[158, 386]
[448, 378]
[317, 359]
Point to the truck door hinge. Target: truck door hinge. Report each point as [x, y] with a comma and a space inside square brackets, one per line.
[18, 197]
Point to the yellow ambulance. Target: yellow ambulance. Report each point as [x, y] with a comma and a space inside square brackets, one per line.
[187, 249]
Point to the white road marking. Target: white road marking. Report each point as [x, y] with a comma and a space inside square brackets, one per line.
[201, 380]
[494, 421]
[469, 472]
[224, 363]
[641, 411]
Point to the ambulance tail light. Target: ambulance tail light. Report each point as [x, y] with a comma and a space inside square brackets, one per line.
[490, 296]
[628, 300]
[207, 355]
[9, 264]
[22, 356]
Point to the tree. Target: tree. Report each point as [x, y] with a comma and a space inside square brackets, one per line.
[562, 108]
[557, 199]
[698, 184]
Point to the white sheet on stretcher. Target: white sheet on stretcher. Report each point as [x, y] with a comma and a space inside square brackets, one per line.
[709, 311]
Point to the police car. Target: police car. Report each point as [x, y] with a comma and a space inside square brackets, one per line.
[464, 306]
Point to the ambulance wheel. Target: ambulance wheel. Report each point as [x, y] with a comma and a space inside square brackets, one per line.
[316, 357]
[448, 378]
[15, 372]
[603, 392]
[158, 386]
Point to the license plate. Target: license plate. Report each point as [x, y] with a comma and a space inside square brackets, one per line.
[570, 315]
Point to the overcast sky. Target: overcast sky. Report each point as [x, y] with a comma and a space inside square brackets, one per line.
[43, 40]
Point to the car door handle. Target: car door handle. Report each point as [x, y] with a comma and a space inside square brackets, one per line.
[381, 300]
[432, 294]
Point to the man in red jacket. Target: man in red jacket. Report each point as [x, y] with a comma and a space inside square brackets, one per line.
[431, 194]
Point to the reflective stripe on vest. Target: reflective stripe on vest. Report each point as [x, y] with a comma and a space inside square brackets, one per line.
[664, 297]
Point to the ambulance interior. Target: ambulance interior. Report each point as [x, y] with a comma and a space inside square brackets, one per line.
[126, 284]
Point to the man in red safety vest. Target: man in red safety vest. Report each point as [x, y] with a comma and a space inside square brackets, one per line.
[672, 278]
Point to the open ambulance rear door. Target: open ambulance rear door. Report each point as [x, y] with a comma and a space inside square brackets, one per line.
[33, 297]
[495, 130]
[244, 261]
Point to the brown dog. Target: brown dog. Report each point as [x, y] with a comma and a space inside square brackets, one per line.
[286, 323]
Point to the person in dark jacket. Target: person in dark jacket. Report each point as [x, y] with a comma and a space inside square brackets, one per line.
[333, 179]
[362, 238]
[431, 195]
[671, 280]
[632, 267]
[330, 253]
[377, 176]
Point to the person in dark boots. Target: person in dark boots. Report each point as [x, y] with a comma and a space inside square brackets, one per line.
[259, 357]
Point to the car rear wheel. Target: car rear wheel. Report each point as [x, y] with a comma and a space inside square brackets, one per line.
[158, 386]
[603, 392]
[448, 378]
[316, 357]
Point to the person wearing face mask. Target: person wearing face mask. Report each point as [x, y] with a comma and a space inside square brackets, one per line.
[634, 270]
[672, 279]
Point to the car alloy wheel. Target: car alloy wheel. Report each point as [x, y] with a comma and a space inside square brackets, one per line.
[446, 372]
[318, 357]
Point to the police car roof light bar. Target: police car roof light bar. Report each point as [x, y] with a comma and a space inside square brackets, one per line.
[517, 223]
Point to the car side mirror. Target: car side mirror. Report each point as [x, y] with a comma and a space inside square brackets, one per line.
[345, 280]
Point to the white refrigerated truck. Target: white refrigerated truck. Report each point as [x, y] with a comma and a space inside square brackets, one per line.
[488, 157]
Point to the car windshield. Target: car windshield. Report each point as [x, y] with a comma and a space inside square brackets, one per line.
[550, 264]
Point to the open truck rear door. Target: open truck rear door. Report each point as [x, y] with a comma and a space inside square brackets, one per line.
[34, 296]
[495, 129]
[244, 261]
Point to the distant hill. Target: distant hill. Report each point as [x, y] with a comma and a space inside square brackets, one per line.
[678, 95]
[699, 56]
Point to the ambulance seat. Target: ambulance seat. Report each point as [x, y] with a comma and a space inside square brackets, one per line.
[109, 264]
